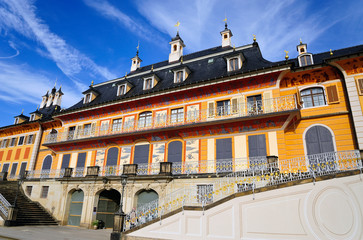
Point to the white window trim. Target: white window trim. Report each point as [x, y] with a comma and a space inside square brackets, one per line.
[32, 117]
[314, 86]
[90, 98]
[23, 141]
[119, 87]
[27, 140]
[2, 142]
[16, 121]
[239, 62]
[184, 70]
[152, 82]
[306, 54]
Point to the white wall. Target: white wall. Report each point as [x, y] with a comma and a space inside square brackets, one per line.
[330, 209]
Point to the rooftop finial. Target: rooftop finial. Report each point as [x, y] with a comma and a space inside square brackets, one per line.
[92, 83]
[331, 52]
[254, 37]
[126, 74]
[37, 107]
[300, 41]
[152, 67]
[181, 60]
[22, 111]
[177, 27]
[286, 56]
[225, 22]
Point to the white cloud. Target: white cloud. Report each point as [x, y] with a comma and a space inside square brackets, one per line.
[111, 12]
[20, 16]
[22, 84]
[278, 24]
[12, 45]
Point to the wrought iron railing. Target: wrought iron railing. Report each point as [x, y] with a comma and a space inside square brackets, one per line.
[261, 175]
[254, 108]
[4, 206]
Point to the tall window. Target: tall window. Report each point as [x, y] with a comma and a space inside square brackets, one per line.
[145, 119]
[87, 98]
[30, 139]
[305, 60]
[71, 131]
[121, 90]
[223, 107]
[233, 64]
[87, 129]
[32, 117]
[254, 104]
[177, 115]
[12, 142]
[4, 143]
[117, 125]
[313, 97]
[148, 83]
[21, 140]
[178, 76]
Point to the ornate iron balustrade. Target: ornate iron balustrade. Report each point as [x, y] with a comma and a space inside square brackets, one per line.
[4, 206]
[260, 175]
[272, 105]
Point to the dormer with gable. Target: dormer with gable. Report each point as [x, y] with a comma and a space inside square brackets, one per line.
[150, 81]
[90, 95]
[181, 74]
[123, 88]
[36, 115]
[177, 46]
[58, 97]
[234, 61]
[51, 97]
[20, 118]
[304, 58]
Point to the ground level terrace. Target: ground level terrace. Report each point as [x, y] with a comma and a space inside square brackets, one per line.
[78, 201]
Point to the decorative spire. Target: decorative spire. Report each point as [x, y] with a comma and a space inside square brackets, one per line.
[152, 67]
[254, 37]
[38, 107]
[300, 41]
[55, 83]
[126, 74]
[177, 27]
[286, 56]
[92, 83]
[22, 111]
[225, 23]
[137, 48]
[331, 52]
[181, 60]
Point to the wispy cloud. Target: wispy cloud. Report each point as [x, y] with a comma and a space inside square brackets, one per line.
[109, 11]
[17, 80]
[278, 24]
[12, 45]
[20, 16]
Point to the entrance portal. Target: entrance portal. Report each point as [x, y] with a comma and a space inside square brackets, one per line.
[108, 204]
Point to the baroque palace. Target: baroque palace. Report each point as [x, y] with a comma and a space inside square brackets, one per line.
[189, 133]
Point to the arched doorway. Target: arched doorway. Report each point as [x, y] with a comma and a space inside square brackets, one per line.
[108, 204]
[75, 208]
[146, 196]
[320, 149]
[47, 165]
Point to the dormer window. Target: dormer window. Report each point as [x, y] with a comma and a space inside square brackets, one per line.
[87, 98]
[16, 121]
[305, 60]
[150, 82]
[121, 90]
[32, 117]
[179, 76]
[233, 64]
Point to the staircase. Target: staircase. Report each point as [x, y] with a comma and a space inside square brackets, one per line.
[29, 212]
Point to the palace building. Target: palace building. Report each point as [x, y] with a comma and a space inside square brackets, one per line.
[181, 129]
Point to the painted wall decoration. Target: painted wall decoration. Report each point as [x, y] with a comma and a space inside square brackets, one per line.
[192, 150]
[125, 155]
[158, 152]
[237, 86]
[352, 66]
[100, 158]
[309, 77]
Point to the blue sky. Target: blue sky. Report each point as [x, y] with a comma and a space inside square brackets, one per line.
[77, 41]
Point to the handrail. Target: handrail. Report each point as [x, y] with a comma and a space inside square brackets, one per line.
[258, 107]
[4, 206]
[267, 174]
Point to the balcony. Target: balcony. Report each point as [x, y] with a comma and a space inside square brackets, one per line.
[149, 123]
[317, 164]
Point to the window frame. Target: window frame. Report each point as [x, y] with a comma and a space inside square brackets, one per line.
[29, 139]
[147, 115]
[239, 58]
[44, 192]
[87, 128]
[121, 89]
[148, 83]
[224, 112]
[12, 142]
[16, 121]
[311, 94]
[32, 117]
[22, 143]
[88, 98]
[4, 142]
[116, 125]
[305, 55]
[179, 115]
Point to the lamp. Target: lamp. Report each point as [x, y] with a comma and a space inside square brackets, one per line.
[119, 217]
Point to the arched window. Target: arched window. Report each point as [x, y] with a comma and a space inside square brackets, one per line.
[233, 64]
[146, 196]
[112, 156]
[313, 97]
[145, 119]
[75, 208]
[175, 152]
[47, 163]
[108, 204]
